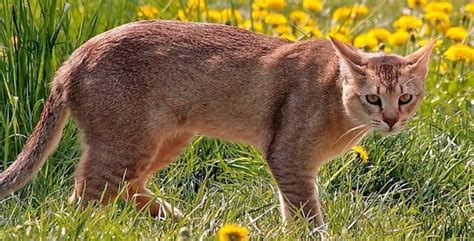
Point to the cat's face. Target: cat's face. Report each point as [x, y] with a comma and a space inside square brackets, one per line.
[382, 92]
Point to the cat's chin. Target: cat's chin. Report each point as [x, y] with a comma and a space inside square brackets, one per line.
[386, 133]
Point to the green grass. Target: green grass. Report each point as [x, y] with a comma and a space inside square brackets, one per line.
[416, 185]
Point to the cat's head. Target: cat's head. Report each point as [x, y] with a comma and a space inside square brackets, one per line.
[382, 91]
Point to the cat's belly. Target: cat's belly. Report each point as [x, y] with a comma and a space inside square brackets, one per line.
[249, 135]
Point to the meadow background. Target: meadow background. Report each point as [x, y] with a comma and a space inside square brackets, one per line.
[415, 185]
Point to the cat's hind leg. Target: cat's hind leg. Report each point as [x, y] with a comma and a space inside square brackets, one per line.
[167, 151]
[146, 201]
[108, 162]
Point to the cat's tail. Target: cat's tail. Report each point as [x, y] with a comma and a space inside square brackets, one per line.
[40, 144]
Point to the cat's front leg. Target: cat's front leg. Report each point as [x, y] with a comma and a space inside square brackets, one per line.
[295, 176]
[309, 206]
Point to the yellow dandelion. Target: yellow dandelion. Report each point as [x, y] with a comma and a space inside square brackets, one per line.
[425, 30]
[445, 7]
[197, 4]
[341, 14]
[438, 19]
[257, 26]
[423, 42]
[408, 22]
[259, 14]
[362, 153]
[381, 34]
[299, 16]
[359, 11]
[340, 36]
[312, 31]
[350, 13]
[416, 3]
[313, 5]
[182, 16]
[276, 19]
[276, 4]
[469, 8]
[387, 50]
[233, 232]
[231, 14]
[457, 33]
[214, 15]
[260, 5]
[399, 38]
[245, 25]
[310, 22]
[283, 29]
[147, 12]
[460, 52]
[339, 29]
[366, 40]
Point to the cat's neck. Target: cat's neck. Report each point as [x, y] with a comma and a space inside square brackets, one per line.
[338, 112]
[343, 132]
[317, 76]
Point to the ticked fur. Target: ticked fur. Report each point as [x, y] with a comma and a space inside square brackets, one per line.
[140, 92]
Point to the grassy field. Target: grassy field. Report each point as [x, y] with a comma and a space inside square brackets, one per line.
[415, 185]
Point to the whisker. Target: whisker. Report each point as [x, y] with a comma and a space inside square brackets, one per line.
[359, 135]
[349, 131]
[375, 123]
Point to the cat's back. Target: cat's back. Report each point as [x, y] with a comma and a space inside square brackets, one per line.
[176, 30]
[161, 44]
[179, 39]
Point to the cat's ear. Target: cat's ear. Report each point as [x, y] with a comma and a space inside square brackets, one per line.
[355, 60]
[418, 60]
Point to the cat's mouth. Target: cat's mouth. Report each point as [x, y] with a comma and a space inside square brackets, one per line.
[386, 130]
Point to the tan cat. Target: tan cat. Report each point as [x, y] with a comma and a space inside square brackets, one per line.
[140, 92]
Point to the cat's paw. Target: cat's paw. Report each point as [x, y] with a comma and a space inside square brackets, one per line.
[163, 210]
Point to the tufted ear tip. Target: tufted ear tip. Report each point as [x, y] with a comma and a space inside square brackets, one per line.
[421, 53]
[348, 53]
[333, 40]
[353, 58]
[419, 60]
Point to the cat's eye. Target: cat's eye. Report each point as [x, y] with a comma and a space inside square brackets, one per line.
[405, 99]
[373, 99]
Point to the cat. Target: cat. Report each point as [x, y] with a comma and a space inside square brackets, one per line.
[142, 91]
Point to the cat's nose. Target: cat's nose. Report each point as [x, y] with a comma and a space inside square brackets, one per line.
[391, 121]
